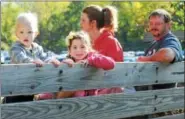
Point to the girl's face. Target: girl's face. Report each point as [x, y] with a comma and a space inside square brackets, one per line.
[25, 34]
[78, 49]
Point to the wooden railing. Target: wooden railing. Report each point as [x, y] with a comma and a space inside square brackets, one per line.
[28, 79]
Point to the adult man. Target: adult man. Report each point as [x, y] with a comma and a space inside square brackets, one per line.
[166, 46]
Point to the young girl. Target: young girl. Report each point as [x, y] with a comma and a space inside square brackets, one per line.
[80, 51]
[25, 50]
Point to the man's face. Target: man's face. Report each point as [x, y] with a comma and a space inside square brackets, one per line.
[158, 27]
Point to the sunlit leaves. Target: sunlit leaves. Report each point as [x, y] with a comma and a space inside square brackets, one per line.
[57, 19]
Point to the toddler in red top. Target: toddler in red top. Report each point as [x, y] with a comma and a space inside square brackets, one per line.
[80, 51]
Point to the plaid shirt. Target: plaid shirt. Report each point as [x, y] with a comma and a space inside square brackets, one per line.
[19, 54]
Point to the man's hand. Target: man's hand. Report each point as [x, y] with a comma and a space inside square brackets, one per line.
[143, 59]
[38, 62]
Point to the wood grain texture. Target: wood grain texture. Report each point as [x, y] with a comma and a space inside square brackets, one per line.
[176, 116]
[98, 107]
[167, 72]
[28, 79]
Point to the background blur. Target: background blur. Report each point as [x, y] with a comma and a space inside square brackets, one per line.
[57, 19]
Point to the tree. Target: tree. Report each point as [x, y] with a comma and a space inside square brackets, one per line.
[8, 23]
[57, 19]
[59, 25]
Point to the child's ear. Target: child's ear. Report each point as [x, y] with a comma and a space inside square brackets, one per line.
[36, 34]
[16, 34]
[89, 49]
[68, 50]
[170, 25]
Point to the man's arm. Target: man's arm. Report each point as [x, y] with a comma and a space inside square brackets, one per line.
[166, 55]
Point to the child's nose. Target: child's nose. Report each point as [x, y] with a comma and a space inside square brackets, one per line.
[78, 49]
[26, 35]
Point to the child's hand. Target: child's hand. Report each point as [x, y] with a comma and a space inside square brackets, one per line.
[84, 63]
[55, 62]
[69, 62]
[38, 62]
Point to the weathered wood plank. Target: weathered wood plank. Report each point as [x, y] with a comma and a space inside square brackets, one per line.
[176, 116]
[28, 79]
[44, 79]
[170, 72]
[0, 96]
[0, 110]
[98, 107]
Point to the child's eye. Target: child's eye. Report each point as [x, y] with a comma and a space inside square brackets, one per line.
[21, 32]
[30, 32]
[74, 47]
[82, 47]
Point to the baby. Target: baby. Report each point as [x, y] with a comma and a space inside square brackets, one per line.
[25, 50]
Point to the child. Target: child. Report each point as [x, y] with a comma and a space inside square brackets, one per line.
[25, 50]
[80, 51]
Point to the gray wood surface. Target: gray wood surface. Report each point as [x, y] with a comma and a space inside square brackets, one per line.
[29, 79]
[170, 72]
[0, 110]
[98, 107]
[176, 116]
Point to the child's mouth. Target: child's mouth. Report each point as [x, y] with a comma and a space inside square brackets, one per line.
[79, 55]
[25, 40]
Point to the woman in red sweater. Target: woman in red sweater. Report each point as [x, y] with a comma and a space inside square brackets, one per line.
[100, 24]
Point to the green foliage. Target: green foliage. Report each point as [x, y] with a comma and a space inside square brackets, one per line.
[178, 15]
[57, 19]
[8, 23]
[59, 25]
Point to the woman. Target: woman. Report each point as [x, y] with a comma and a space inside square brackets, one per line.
[100, 24]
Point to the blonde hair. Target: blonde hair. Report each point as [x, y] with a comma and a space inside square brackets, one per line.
[84, 37]
[28, 18]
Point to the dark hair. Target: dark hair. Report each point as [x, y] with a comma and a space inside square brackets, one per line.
[162, 13]
[105, 18]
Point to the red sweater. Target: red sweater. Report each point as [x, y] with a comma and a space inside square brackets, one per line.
[100, 61]
[108, 45]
